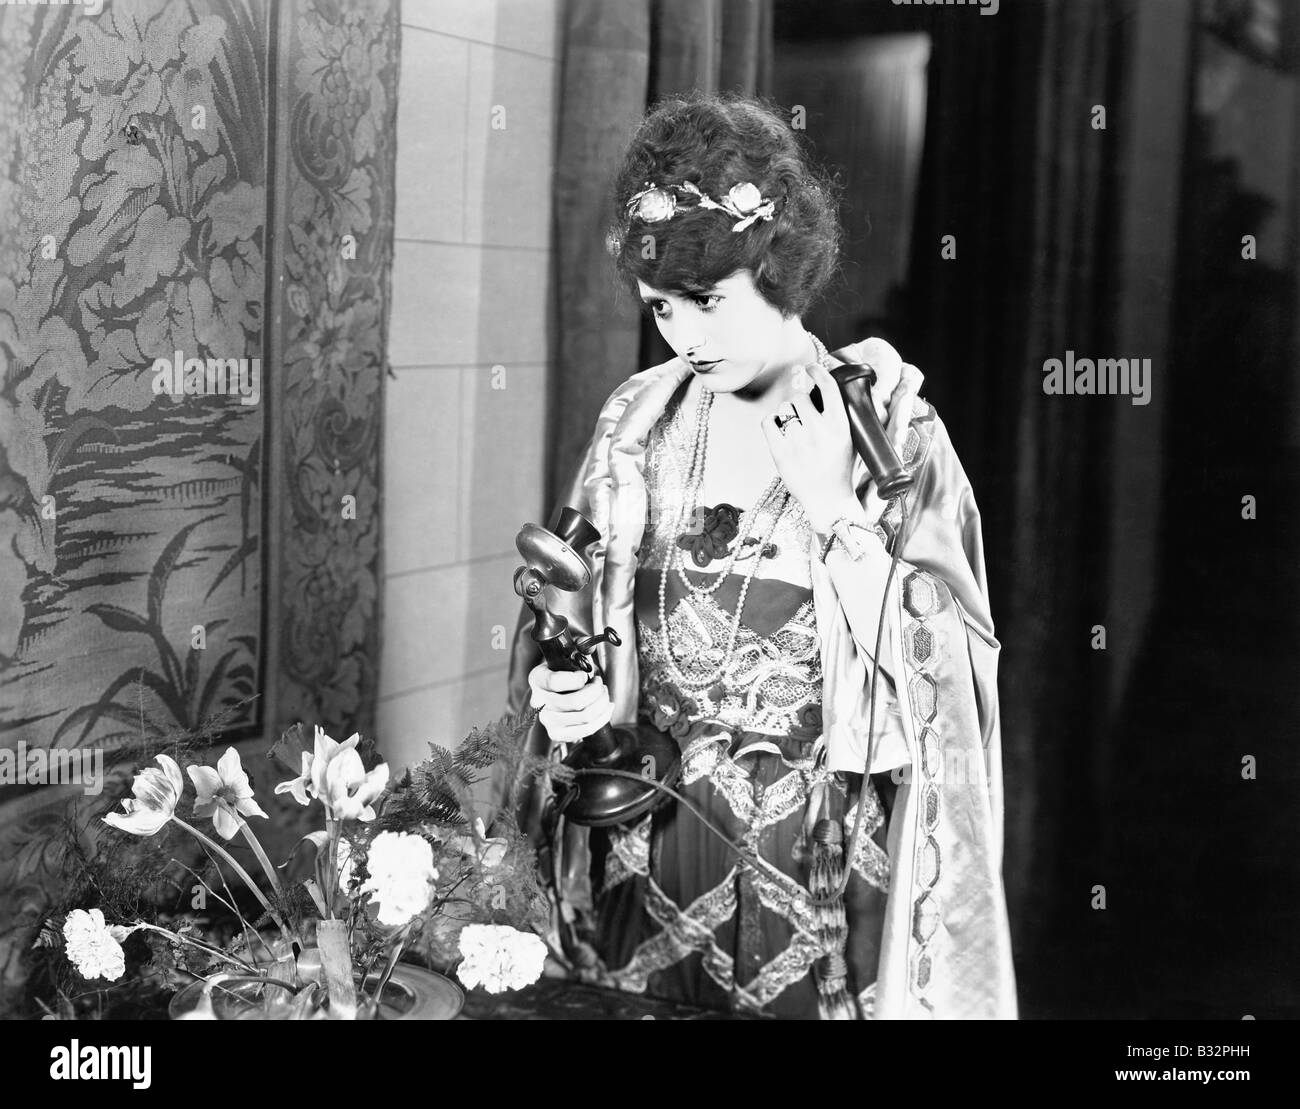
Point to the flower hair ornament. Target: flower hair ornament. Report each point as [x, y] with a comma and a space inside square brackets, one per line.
[743, 202]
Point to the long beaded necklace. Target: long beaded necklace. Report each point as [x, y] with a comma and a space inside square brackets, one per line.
[694, 483]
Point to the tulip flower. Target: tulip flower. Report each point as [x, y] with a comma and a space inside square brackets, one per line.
[156, 794]
[224, 794]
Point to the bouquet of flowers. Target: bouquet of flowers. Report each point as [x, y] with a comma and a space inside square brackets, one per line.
[399, 868]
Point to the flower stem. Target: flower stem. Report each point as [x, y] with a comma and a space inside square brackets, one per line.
[378, 994]
[331, 876]
[262, 858]
[249, 933]
[209, 948]
[259, 979]
[230, 859]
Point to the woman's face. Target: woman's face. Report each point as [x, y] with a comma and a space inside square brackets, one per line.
[733, 339]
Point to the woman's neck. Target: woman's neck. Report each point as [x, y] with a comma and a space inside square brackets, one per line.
[771, 387]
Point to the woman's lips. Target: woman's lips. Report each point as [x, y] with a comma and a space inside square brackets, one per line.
[705, 367]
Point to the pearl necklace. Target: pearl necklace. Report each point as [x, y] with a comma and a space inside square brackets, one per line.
[713, 675]
[694, 483]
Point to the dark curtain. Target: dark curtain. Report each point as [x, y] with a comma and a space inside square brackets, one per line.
[619, 57]
[1123, 766]
[1015, 170]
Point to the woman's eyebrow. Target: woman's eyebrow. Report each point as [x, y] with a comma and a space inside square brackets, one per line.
[684, 294]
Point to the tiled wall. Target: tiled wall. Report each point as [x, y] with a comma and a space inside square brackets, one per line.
[469, 343]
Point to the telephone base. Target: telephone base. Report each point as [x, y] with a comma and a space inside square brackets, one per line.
[598, 800]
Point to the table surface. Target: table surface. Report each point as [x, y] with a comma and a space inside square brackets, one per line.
[561, 999]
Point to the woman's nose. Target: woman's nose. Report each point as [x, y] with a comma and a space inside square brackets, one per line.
[692, 346]
[683, 335]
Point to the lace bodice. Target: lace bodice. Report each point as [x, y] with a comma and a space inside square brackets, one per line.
[772, 682]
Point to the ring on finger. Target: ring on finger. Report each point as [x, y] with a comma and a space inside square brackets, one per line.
[785, 418]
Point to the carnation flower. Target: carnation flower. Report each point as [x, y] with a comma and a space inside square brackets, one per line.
[499, 958]
[401, 875]
[95, 948]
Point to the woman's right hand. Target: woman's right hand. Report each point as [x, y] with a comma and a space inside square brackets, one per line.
[571, 704]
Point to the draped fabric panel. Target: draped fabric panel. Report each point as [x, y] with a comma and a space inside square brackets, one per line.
[605, 59]
[210, 183]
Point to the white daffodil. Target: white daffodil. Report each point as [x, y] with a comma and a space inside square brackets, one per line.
[224, 794]
[156, 794]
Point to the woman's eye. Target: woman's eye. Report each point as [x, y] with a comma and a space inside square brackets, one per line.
[706, 302]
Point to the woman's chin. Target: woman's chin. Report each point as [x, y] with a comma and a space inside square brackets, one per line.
[720, 381]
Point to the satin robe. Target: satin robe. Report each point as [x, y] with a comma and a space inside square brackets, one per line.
[946, 948]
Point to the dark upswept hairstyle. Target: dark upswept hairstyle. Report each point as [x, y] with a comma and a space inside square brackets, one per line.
[716, 142]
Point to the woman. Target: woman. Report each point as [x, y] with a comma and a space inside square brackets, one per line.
[747, 558]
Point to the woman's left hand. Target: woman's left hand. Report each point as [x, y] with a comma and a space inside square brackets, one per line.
[814, 454]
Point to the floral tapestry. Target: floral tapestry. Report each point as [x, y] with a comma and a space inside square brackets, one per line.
[195, 242]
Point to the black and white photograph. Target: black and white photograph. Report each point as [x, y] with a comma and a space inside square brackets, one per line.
[651, 510]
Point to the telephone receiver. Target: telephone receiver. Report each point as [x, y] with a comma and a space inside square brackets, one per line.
[622, 769]
[870, 439]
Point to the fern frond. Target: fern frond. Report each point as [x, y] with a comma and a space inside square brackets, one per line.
[48, 936]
